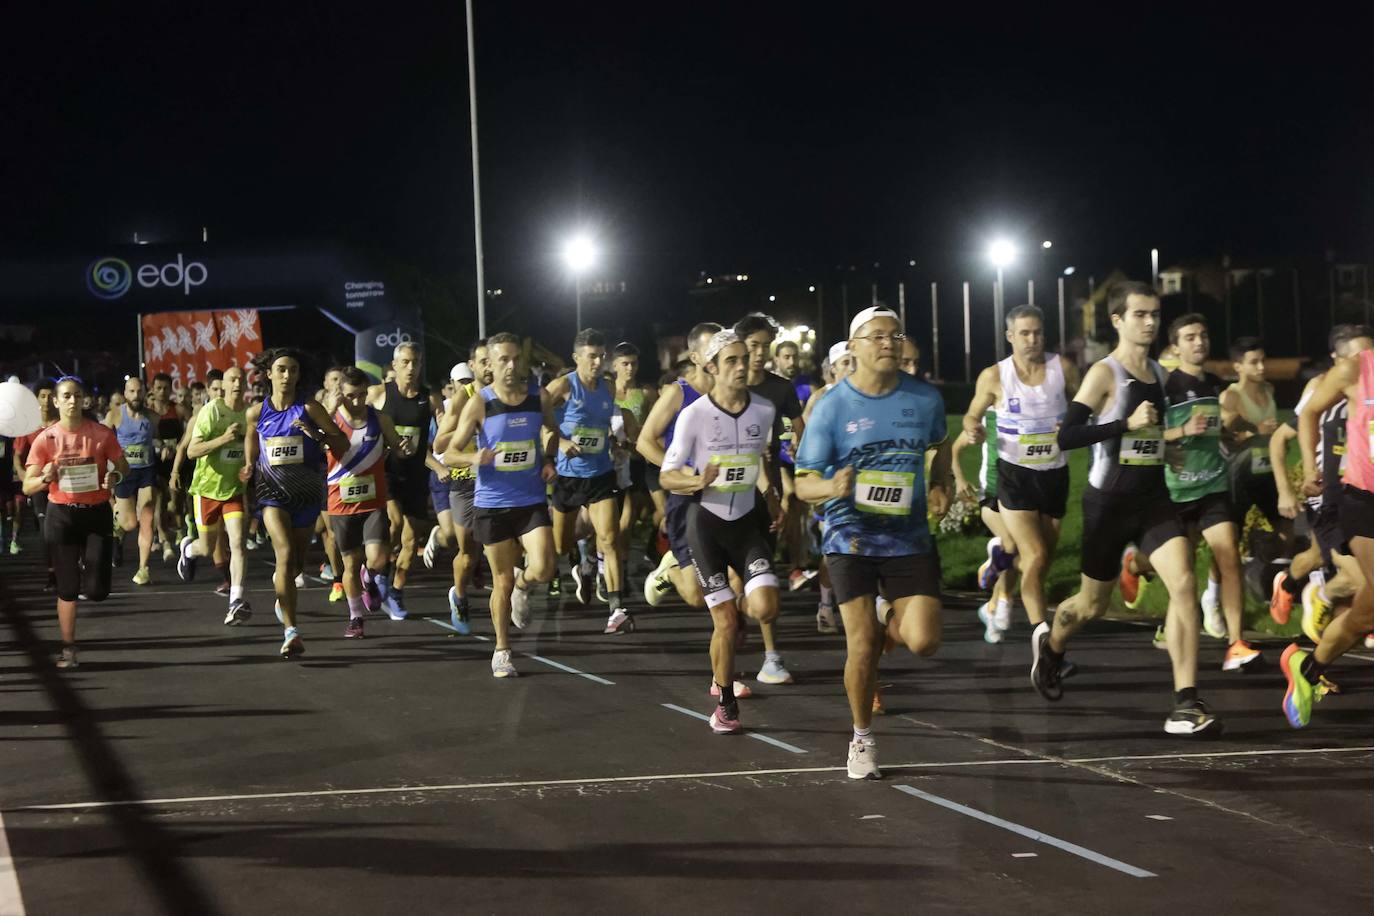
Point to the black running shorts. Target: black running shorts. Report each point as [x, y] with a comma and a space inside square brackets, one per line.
[719, 546]
[572, 493]
[1111, 521]
[1206, 512]
[493, 526]
[1029, 490]
[858, 575]
[351, 532]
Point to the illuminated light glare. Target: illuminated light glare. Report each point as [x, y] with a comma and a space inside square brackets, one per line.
[806, 348]
[911, 263]
[708, 279]
[1001, 253]
[772, 298]
[802, 329]
[1047, 244]
[1068, 271]
[811, 289]
[579, 253]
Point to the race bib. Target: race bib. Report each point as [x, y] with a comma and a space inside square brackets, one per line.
[81, 476]
[231, 453]
[786, 435]
[591, 440]
[515, 456]
[137, 454]
[1213, 414]
[284, 450]
[358, 489]
[412, 435]
[884, 492]
[1142, 447]
[1037, 448]
[1259, 460]
[738, 473]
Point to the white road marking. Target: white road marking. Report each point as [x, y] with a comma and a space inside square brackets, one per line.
[791, 748]
[538, 658]
[1159, 817]
[11, 902]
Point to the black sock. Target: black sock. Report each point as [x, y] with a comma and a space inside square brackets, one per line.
[1312, 669]
[1057, 658]
[727, 693]
[1185, 697]
[1293, 586]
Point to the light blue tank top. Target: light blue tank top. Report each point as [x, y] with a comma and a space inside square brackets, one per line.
[587, 422]
[513, 479]
[135, 437]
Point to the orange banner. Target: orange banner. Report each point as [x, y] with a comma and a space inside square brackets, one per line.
[187, 345]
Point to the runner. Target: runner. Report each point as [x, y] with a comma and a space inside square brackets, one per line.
[514, 465]
[217, 489]
[358, 497]
[69, 462]
[758, 331]
[462, 487]
[586, 477]
[785, 362]
[997, 574]
[1028, 391]
[675, 570]
[282, 451]
[644, 496]
[11, 497]
[47, 411]
[714, 460]
[1249, 415]
[332, 569]
[1195, 472]
[135, 425]
[1350, 379]
[870, 435]
[1127, 501]
[911, 358]
[171, 424]
[411, 406]
[837, 365]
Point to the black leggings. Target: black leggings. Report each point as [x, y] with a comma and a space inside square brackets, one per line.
[81, 546]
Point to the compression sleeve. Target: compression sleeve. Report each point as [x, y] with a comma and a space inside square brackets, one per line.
[1077, 432]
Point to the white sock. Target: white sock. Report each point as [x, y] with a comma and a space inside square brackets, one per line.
[236, 593]
[1213, 586]
[1318, 576]
[863, 734]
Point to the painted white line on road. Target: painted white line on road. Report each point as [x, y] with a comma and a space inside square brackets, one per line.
[538, 658]
[1159, 817]
[1072, 848]
[11, 903]
[791, 748]
[1025, 855]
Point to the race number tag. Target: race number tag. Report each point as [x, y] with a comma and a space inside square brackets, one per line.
[786, 430]
[738, 473]
[78, 476]
[412, 435]
[590, 440]
[1037, 448]
[231, 453]
[884, 492]
[515, 456]
[1142, 447]
[358, 489]
[137, 454]
[284, 450]
[1259, 460]
[1213, 414]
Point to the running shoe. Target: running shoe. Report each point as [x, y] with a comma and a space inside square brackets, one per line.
[300, 580]
[1160, 641]
[1316, 612]
[251, 543]
[1213, 621]
[878, 708]
[1192, 720]
[186, 562]
[800, 578]
[726, 721]
[773, 672]
[395, 605]
[1240, 656]
[1129, 581]
[1044, 676]
[520, 607]
[658, 586]
[619, 622]
[116, 556]
[1280, 601]
[222, 589]
[239, 613]
[501, 664]
[1327, 686]
[336, 593]
[168, 553]
[354, 630]
[458, 613]
[825, 620]
[292, 646]
[68, 658]
[742, 690]
[15, 549]
[1001, 617]
[326, 571]
[988, 571]
[556, 587]
[992, 634]
[582, 584]
[431, 547]
[1297, 701]
[601, 588]
[141, 577]
[863, 759]
[1369, 641]
[276, 609]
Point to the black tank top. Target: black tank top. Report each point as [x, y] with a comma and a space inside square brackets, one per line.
[411, 417]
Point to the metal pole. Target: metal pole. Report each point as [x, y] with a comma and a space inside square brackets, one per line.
[139, 321]
[1154, 268]
[1030, 292]
[1062, 329]
[997, 306]
[901, 303]
[874, 299]
[934, 333]
[476, 181]
[968, 341]
[578, 282]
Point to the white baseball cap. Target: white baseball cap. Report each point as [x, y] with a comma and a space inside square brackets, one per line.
[719, 341]
[838, 351]
[868, 314]
[461, 373]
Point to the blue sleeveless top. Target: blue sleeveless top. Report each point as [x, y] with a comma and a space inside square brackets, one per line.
[689, 394]
[290, 470]
[587, 421]
[135, 438]
[513, 479]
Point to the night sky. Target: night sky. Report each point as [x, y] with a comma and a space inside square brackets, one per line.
[692, 136]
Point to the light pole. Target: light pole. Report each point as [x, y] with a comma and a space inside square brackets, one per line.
[579, 255]
[1001, 253]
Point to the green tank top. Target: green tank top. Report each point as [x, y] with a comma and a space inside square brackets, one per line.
[1252, 456]
[987, 477]
[1194, 466]
[634, 403]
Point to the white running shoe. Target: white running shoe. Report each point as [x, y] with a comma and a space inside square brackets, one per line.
[883, 608]
[825, 620]
[501, 664]
[431, 547]
[742, 690]
[658, 586]
[1002, 616]
[520, 608]
[773, 672]
[863, 760]
[992, 634]
[619, 622]
[1213, 621]
[300, 581]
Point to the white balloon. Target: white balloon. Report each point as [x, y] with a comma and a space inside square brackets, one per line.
[19, 414]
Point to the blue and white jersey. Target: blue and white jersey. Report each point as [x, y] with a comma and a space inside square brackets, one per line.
[513, 433]
[135, 436]
[689, 394]
[290, 471]
[885, 440]
[586, 421]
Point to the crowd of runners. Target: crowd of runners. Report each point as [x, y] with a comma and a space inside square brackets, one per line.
[752, 478]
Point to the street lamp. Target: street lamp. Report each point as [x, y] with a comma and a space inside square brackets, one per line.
[579, 256]
[1001, 253]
